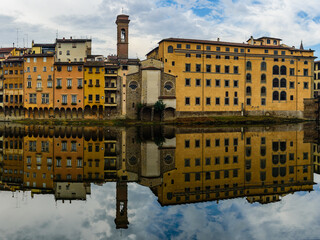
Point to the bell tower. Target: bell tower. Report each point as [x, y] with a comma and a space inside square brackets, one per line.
[122, 36]
[121, 220]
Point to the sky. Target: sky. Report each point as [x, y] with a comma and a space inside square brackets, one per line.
[230, 20]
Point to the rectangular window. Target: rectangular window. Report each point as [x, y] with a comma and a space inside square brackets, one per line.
[217, 68]
[263, 101]
[187, 162]
[235, 83]
[226, 83]
[226, 101]
[90, 98]
[226, 69]
[69, 68]
[188, 82]
[217, 82]
[305, 72]
[187, 46]
[97, 98]
[305, 85]
[79, 83]
[197, 99]
[208, 101]
[58, 82]
[188, 67]
[64, 99]
[34, 69]
[208, 68]
[235, 69]
[208, 82]
[217, 48]
[187, 101]
[45, 98]
[217, 101]
[69, 83]
[291, 85]
[291, 71]
[64, 146]
[198, 82]
[198, 67]
[73, 99]
[198, 55]
[235, 101]
[32, 98]
[186, 143]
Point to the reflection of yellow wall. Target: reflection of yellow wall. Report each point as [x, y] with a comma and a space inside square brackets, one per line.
[237, 167]
[93, 160]
[38, 162]
[12, 164]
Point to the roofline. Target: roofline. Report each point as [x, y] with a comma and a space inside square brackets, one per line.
[245, 45]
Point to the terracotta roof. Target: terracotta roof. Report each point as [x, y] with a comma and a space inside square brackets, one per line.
[70, 40]
[229, 44]
[39, 55]
[6, 50]
[152, 50]
[51, 45]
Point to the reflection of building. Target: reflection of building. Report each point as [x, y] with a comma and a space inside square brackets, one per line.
[12, 163]
[316, 158]
[38, 162]
[259, 165]
[147, 161]
[180, 165]
[316, 86]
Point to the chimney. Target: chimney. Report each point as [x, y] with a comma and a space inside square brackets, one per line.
[71, 37]
[218, 39]
[63, 38]
[251, 39]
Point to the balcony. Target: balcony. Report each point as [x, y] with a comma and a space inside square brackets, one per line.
[74, 103]
[79, 87]
[90, 85]
[64, 103]
[58, 87]
[69, 87]
[97, 85]
[39, 89]
[110, 104]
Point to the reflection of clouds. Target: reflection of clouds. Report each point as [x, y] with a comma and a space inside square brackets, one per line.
[295, 217]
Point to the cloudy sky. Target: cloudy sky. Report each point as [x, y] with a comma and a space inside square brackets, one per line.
[153, 20]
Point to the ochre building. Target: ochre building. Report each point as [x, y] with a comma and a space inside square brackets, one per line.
[259, 77]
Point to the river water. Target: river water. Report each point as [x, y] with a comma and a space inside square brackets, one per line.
[159, 182]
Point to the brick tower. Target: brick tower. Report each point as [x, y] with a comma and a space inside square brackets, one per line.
[122, 36]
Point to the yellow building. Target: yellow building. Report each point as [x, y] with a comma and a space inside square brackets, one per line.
[260, 77]
[316, 79]
[261, 166]
[93, 86]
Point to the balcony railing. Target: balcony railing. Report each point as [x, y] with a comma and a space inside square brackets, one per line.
[39, 89]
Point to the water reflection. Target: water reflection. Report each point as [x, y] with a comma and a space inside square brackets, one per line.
[179, 165]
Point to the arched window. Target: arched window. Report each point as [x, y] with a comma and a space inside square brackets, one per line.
[283, 96]
[283, 83]
[249, 65]
[263, 164]
[263, 91]
[282, 171]
[248, 77]
[275, 82]
[283, 146]
[262, 176]
[275, 146]
[305, 62]
[275, 172]
[283, 159]
[275, 96]
[263, 78]
[318, 75]
[318, 84]
[275, 70]
[263, 66]
[263, 151]
[170, 49]
[248, 91]
[283, 70]
[248, 176]
[123, 35]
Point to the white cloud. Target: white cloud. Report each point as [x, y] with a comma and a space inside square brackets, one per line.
[151, 21]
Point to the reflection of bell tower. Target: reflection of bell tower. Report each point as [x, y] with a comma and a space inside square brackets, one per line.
[122, 36]
[122, 201]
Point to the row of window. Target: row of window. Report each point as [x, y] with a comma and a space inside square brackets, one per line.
[208, 68]
[44, 59]
[35, 69]
[208, 83]
[13, 99]
[11, 72]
